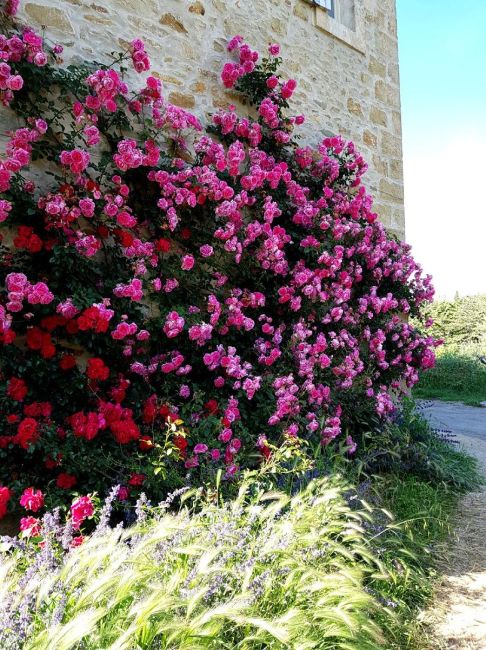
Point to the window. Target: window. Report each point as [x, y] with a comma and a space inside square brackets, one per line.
[343, 19]
[327, 4]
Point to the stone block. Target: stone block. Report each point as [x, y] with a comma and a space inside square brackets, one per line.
[377, 67]
[354, 107]
[369, 138]
[50, 17]
[379, 117]
[392, 190]
[174, 23]
[182, 100]
[197, 8]
[391, 145]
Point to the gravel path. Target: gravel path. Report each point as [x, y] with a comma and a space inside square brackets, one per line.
[458, 616]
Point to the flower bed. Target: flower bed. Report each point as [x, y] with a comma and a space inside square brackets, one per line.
[176, 300]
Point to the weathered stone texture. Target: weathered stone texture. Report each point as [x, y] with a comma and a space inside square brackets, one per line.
[344, 87]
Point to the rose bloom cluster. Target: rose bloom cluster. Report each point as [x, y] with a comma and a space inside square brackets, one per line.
[82, 508]
[197, 298]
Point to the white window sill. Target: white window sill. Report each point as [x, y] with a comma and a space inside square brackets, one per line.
[354, 39]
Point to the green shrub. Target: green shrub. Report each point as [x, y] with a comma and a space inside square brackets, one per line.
[457, 376]
[409, 446]
[460, 322]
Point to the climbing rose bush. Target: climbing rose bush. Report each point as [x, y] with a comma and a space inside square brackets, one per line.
[176, 300]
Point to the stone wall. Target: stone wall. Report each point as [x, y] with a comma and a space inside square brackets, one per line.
[348, 79]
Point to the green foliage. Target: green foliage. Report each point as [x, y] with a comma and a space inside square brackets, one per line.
[408, 446]
[457, 376]
[460, 322]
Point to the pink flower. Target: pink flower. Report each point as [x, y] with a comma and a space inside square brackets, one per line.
[87, 207]
[11, 7]
[92, 135]
[274, 49]
[81, 509]
[225, 435]
[31, 526]
[185, 391]
[272, 82]
[351, 445]
[206, 250]
[288, 88]
[32, 499]
[15, 82]
[76, 159]
[123, 493]
[200, 448]
[174, 324]
[5, 208]
[188, 262]
[140, 59]
[230, 74]
[40, 58]
[88, 245]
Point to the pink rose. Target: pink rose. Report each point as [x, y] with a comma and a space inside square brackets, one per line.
[187, 262]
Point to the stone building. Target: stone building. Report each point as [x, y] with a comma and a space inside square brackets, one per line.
[343, 53]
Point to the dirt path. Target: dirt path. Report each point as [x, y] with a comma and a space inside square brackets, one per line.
[458, 616]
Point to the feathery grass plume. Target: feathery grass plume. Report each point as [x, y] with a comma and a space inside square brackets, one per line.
[262, 571]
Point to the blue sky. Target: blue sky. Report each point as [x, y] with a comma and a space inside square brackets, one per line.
[442, 46]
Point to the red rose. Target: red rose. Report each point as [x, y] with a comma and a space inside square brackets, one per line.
[5, 441]
[211, 406]
[96, 369]
[181, 443]
[145, 443]
[7, 337]
[48, 350]
[137, 479]
[125, 238]
[34, 338]
[164, 410]
[38, 409]
[51, 463]
[124, 431]
[27, 433]
[5, 495]
[51, 322]
[67, 362]
[72, 327]
[149, 410]
[17, 389]
[66, 481]
[85, 425]
[163, 245]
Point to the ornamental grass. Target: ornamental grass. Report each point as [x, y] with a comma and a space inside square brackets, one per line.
[264, 570]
